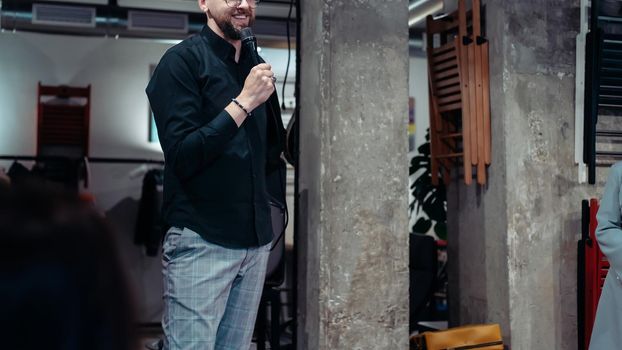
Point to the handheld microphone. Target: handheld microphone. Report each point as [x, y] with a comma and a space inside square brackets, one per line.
[250, 43]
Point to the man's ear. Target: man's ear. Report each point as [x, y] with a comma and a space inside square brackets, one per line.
[203, 5]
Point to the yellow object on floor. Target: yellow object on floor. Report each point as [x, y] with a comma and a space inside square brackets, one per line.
[478, 337]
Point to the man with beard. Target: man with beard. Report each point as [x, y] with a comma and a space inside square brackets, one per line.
[222, 144]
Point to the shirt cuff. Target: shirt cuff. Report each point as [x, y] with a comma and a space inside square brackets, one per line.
[224, 123]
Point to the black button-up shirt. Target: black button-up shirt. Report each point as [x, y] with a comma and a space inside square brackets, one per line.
[216, 174]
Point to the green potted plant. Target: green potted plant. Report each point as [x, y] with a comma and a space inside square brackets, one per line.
[428, 203]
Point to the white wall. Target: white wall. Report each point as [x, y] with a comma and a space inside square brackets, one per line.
[118, 71]
[418, 88]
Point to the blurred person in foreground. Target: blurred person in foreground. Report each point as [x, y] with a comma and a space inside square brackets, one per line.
[607, 331]
[61, 282]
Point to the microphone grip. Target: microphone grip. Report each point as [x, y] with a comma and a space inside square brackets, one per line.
[249, 42]
[254, 58]
[252, 50]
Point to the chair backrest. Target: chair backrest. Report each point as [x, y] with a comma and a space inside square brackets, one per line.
[446, 96]
[63, 121]
[63, 114]
[443, 63]
[459, 93]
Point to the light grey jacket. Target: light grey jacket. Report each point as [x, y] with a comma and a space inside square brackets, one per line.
[607, 331]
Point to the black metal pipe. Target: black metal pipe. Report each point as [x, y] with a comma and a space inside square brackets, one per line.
[89, 159]
[296, 179]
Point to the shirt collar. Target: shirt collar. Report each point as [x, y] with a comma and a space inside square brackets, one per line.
[221, 46]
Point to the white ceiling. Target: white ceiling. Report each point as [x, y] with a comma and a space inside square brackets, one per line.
[90, 2]
[265, 9]
[166, 5]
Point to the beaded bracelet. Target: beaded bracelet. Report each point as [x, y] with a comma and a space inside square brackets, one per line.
[248, 114]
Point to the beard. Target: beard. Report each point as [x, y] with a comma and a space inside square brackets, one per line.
[226, 26]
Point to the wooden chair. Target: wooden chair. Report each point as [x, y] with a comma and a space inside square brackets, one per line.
[445, 94]
[63, 122]
[475, 50]
[63, 114]
[459, 94]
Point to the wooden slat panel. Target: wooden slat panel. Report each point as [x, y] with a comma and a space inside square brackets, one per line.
[486, 104]
[445, 65]
[60, 133]
[463, 59]
[71, 135]
[446, 96]
[449, 155]
[63, 124]
[443, 48]
[68, 134]
[434, 114]
[472, 101]
[73, 139]
[447, 23]
[452, 89]
[442, 101]
[60, 139]
[434, 118]
[481, 162]
[67, 129]
[445, 56]
[447, 82]
[45, 90]
[446, 74]
[452, 135]
[451, 107]
[445, 147]
[62, 128]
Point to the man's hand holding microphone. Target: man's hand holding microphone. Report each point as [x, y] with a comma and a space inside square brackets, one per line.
[258, 87]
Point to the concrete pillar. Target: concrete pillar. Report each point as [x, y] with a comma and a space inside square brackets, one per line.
[513, 243]
[353, 264]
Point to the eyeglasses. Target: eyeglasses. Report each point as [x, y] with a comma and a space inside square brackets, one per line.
[237, 3]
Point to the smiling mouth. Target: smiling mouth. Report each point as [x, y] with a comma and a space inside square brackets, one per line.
[240, 17]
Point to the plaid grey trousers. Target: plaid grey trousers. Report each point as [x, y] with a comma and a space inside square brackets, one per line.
[211, 293]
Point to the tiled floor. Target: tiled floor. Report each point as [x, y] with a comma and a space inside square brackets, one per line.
[150, 340]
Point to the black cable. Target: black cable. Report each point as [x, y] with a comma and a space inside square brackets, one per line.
[296, 184]
[284, 142]
[289, 52]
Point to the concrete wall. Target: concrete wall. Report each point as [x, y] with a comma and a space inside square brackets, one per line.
[353, 291]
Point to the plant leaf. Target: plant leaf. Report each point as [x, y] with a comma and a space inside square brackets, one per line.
[441, 230]
[422, 226]
[424, 149]
[435, 208]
